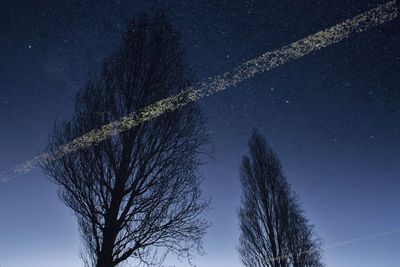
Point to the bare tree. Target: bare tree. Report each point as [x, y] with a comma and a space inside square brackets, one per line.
[304, 246]
[274, 231]
[136, 195]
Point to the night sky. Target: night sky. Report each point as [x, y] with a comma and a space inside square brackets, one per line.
[333, 117]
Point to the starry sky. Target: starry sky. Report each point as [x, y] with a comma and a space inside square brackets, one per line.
[332, 116]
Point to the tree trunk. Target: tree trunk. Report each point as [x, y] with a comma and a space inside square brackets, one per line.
[105, 257]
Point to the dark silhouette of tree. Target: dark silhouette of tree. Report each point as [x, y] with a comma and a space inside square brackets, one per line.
[303, 244]
[274, 230]
[136, 195]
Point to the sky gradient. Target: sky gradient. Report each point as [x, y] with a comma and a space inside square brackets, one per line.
[333, 117]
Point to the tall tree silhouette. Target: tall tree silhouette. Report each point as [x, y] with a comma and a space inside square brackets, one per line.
[136, 195]
[274, 230]
[304, 246]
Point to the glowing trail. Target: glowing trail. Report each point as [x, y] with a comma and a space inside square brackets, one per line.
[365, 238]
[346, 242]
[265, 62]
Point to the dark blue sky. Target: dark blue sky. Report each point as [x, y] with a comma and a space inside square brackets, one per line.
[332, 116]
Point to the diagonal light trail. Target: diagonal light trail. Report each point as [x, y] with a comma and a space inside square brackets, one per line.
[365, 238]
[249, 69]
[343, 243]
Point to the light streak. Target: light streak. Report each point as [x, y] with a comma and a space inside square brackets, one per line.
[365, 238]
[343, 243]
[249, 69]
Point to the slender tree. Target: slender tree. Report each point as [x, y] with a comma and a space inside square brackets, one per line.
[136, 195]
[304, 246]
[274, 230]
